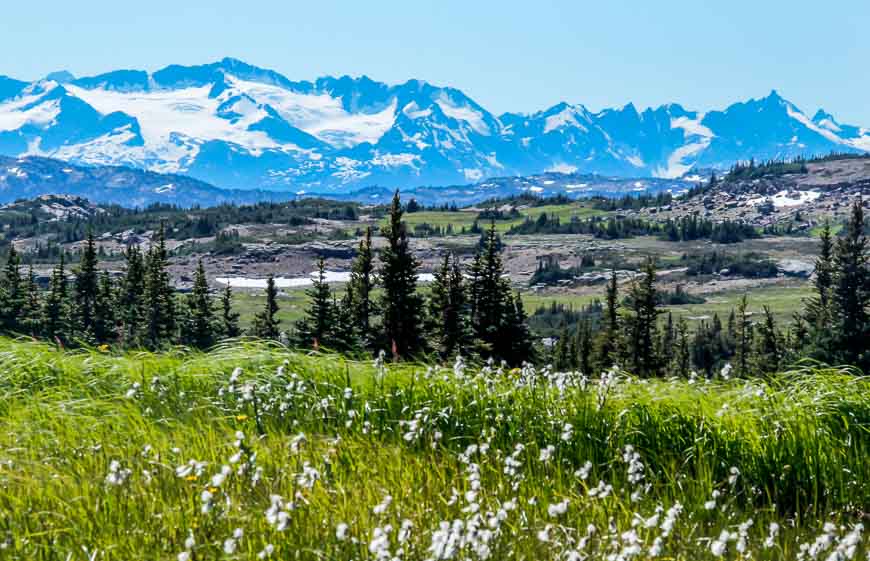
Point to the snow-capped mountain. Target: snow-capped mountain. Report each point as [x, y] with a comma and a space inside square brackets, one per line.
[238, 126]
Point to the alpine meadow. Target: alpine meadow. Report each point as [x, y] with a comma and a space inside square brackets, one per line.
[248, 313]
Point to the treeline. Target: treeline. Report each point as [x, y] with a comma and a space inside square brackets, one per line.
[178, 223]
[833, 328]
[686, 228]
[472, 312]
[140, 309]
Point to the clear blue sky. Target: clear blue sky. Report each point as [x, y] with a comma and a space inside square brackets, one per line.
[508, 55]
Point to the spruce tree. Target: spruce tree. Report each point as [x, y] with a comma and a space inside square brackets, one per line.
[641, 323]
[818, 309]
[447, 303]
[768, 347]
[517, 346]
[104, 310]
[850, 295]
[12, 293]
[401, 305]
[55, 309]
[265, 324]
[86, 289]
[31, 311]
[229, 321]
[681, 362]
[131, 298]
[607, 342]
[314, 329]
[743, 338]
[199, 329]
[584, 346]
[159, 296]
[361, 288]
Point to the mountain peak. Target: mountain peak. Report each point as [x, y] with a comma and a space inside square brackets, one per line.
[61, 77]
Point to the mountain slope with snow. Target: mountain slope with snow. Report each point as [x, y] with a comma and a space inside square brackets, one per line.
[238, 126]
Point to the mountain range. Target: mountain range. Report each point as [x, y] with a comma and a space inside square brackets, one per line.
[237, 126]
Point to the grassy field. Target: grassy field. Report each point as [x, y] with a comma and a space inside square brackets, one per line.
[251, 451]
[466, 218]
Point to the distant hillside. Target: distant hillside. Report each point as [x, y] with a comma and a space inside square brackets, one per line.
[30, 177]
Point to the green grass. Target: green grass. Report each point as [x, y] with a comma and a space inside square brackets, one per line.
[291, 303]
[333, 438]
[466, 219]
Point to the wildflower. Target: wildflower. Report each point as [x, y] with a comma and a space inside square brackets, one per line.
[382, 507]
[266, 552]
[567, 432]
[133, 391]
[583, 472]
[734, 473]
[117, 476]
[219, 478]
[557, 509]
[206, 498]
[341, 532]
[547, 453]
[771, 536]
[720, 544]
[241, 418]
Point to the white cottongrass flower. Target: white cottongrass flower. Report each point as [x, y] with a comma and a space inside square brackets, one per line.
[773, 532]
[219, 478]
[266, 552]
[583, 472]
[117, 475]
[567, 432]
[558, 509]
[382, 507]
[547, 453]
[341, 531]
[206, 498]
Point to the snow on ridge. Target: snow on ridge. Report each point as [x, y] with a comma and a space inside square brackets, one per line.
[805, 121]
[463, 113]
[565, 117]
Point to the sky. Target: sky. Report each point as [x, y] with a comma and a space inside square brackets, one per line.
[507, 55]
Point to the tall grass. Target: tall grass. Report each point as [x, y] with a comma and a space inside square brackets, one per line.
[96, 451]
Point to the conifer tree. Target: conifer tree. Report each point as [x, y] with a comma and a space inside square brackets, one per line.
[850, 294]
[447, 318]
[159, 297]
[314, 329]
[360, 290]
[265, 323]
[130, 300]
[516, 346]
[818, 309]
[55, 309]
[768, 347]
[584, 347]
[641, 323]
[607, 342]
[682, 356]
[31, 311]
[104, 310]
[199, 328]
[402, 307]
[86, 289]
[229, 320]
[12, 292]
[743, 340]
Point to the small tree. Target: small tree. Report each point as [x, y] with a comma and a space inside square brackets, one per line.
[448, 309]
[55, 309]
[314, 329]
[104, 310]
[159, 296]
[607, 342]
[360, 290]
[229, 317]
[768, 347]
[130, 300]
[743, 332]
[87, 289]
[265, 322]
[402, 306]
[31, 311]
[641, 323]
[850, 295]
[199, 329]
